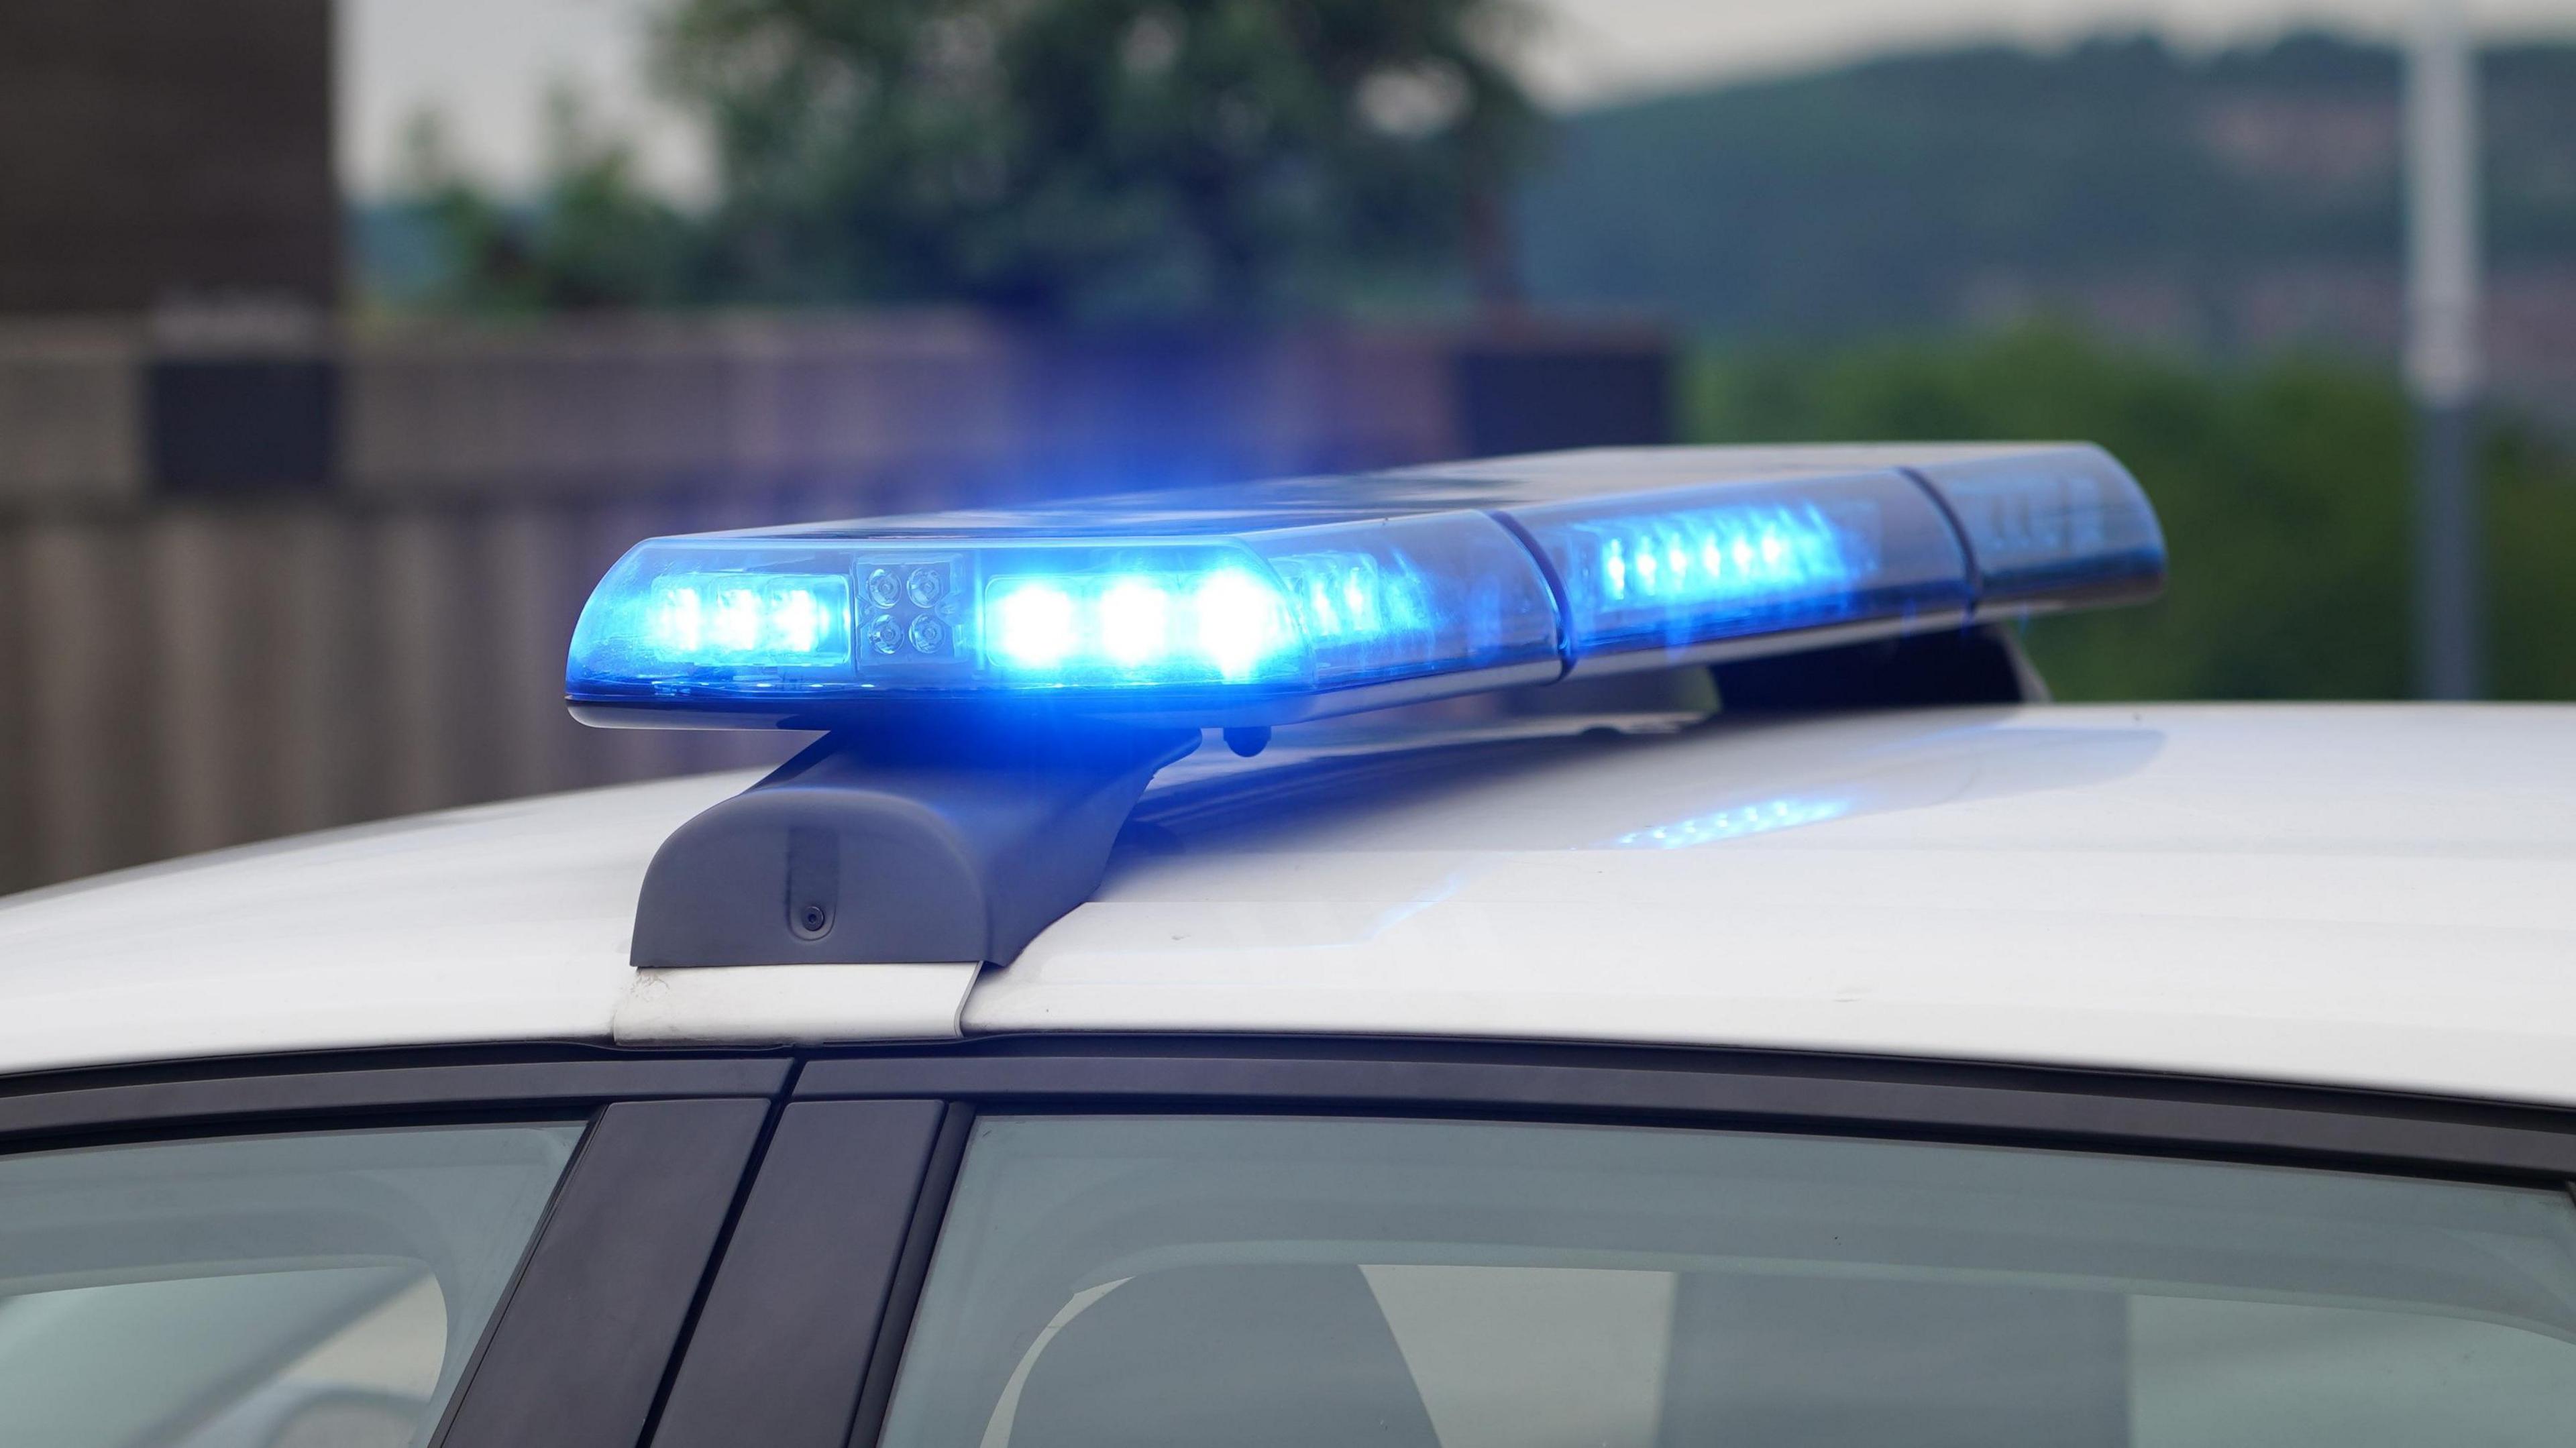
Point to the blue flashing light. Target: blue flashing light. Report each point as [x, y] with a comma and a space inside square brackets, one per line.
[1373, 599]
[785, 619]
[1283, 600]
[1720, 562]
[1211, 623]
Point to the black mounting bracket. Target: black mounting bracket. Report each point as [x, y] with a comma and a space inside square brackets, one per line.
[932, 846]
[1979, 664]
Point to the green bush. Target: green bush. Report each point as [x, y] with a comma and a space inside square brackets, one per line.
[2283, 488]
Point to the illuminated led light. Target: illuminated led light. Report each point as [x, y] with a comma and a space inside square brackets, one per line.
[734, 625]
[1349, 599]
[797, 620]
[1708, 564]
[679, 621]
[1736, 553]
[1240, 622]
[784, 620]
[1726, 555]
[1135, 622]
[1033, 625]
[1211, 625]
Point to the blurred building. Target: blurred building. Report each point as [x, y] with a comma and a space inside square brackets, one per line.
[170, 153]
[263, 569]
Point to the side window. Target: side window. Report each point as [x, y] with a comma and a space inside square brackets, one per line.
[1280, 1283]
[319, 1290]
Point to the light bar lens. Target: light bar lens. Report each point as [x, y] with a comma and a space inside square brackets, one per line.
[785, 620]
[1274, 601]
[1291, 610]
[1728, 561]
[1372, 600]
[1212, 623]
[2063, 526]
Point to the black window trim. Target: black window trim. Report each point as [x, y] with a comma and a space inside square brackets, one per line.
[585, 1343]
[2207, 1118]
[2384, 1130]
[255, 1093]
[629, 1237]
[2138, 1113]
[837, 1234]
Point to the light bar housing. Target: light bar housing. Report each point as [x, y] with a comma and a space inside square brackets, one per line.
[1271, 602]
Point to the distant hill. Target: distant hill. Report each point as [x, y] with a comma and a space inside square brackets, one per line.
[2235, 200]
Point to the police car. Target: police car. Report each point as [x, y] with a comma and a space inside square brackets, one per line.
[1607, 948]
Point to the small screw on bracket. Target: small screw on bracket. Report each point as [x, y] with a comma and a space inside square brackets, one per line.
[812, 920]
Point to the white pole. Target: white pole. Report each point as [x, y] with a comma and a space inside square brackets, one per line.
[2443, 363]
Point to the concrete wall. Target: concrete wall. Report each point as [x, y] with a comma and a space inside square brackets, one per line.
[198, 656]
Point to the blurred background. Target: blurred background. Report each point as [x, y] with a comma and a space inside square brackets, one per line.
[343, 343]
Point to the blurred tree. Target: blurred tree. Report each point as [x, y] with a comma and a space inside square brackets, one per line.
[593, 237]
[1103, 157]
[2283, 490]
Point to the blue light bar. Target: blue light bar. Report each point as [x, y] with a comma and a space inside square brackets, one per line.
[1196, 623]
[1742, 561]
[1284, 600]
[2052, 528]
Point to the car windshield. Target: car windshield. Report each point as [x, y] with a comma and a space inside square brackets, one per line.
[1113, 1283]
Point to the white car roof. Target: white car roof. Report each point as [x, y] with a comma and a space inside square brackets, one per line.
[2374, 896]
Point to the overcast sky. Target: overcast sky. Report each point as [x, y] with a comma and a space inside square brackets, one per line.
[486, 64]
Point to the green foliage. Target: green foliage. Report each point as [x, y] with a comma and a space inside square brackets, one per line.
[1088, 157]
[2531, 528]
[2284, 491]
[594, 238]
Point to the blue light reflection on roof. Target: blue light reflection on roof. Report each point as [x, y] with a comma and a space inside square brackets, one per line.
[1734, 823]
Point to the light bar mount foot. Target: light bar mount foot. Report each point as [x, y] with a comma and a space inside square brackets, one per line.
[931, 845]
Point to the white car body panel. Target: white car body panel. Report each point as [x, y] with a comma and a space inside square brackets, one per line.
[735, 1005]
[2372, 896]
[506, 922]
[2380, 897]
